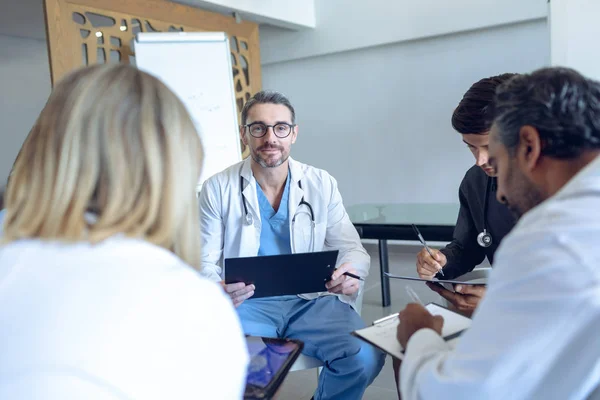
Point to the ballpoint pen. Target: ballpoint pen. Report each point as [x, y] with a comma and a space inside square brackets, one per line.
[441, 271]
[415, 299]
[413, 295]
[384, 319]
[350, 274]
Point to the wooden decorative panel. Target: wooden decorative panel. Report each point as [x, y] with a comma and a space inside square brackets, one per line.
[84, 32]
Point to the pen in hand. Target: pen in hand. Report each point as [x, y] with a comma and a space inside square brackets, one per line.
[424, 243]
[413, 295]
[350, 274]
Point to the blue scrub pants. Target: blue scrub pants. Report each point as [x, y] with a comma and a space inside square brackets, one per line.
[324, 325]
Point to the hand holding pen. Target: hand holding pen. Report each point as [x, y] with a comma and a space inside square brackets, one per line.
[429, 261]
[344, 280]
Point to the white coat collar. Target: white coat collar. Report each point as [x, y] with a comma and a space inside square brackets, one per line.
[249, 190]
[296, 170]
[585, 181]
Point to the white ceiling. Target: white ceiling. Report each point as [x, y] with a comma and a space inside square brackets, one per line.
[289, 14]
[25, 18]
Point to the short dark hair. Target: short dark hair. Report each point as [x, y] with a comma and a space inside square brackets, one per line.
[471, 115]
[562, 104]
[267, 97]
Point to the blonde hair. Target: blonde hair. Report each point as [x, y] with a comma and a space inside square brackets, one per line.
[115, 142]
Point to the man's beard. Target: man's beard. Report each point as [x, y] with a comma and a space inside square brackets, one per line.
[265, 163]
[522, 195]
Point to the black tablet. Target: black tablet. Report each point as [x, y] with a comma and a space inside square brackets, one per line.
[270, 362]
[280, 275]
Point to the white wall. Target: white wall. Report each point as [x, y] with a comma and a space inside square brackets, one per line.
[22, 18]
[24, 89]
[378, 119]
[574, 32]
[344, 25]
[380, 127]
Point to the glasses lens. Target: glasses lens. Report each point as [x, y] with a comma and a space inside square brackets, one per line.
[282, 130]
[257, 130]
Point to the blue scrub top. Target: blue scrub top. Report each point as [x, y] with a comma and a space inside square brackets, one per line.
[275, 232]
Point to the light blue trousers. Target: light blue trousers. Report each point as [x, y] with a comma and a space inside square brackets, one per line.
[324, 325]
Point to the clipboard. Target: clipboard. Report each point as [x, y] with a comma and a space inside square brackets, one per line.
[285, 274]
[383, 333]
[476, 277]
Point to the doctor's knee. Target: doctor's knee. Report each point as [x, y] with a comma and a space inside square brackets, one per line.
[371, 360]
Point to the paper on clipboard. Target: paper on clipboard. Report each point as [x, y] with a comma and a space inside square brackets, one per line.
[384, 335]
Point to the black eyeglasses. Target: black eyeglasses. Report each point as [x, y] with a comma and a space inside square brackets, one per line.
[281, 130]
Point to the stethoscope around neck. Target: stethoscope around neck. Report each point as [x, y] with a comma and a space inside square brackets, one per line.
[484, 239]
[249, 219]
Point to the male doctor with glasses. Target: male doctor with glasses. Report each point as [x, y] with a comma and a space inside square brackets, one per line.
[270, 204]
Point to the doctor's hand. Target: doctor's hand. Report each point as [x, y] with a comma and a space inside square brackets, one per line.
[465, 298]
[238, 292]
[427, 266]
[415, 317]
[342, 284]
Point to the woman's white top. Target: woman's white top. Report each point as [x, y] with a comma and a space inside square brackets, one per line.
[122, 319]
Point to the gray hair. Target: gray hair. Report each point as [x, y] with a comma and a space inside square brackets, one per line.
[562, 104]
[267, 97]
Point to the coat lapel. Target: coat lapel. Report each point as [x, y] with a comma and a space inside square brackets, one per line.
[249, 189]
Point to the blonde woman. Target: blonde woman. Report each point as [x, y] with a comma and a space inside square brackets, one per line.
[99, 298]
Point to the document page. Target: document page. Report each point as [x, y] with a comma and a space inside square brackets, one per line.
[383, 335]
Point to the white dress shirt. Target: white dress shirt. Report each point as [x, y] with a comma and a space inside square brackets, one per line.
[226, 234]
[536, 333]
[122, 319]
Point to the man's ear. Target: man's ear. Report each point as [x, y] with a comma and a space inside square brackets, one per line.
[242, 136]
[294, 134]
[529, 149]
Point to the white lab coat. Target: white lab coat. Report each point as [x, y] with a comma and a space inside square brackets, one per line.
[536, 334]
[225, 234]
[122, 319]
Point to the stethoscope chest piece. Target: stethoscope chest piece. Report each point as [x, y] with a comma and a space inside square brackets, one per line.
[484, 239]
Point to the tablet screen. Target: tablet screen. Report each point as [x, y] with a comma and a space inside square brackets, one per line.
[267, 357]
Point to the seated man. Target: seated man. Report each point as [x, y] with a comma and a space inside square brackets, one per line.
[535, 334]
[481, 214]
[271, 204]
